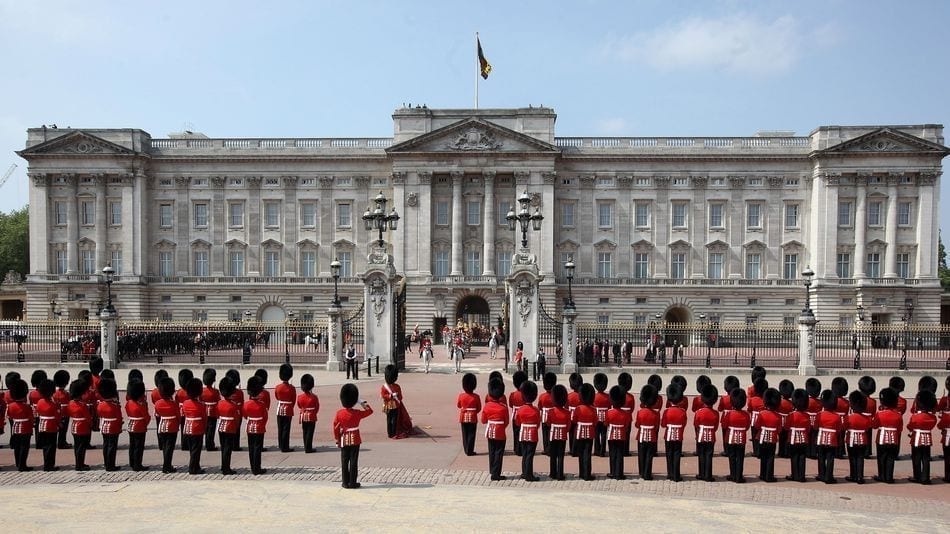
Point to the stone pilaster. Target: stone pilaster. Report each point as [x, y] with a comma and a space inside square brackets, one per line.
[488, 224]
[334, 338]
[457, 222]
[860, 228]
[72, 224]
[890, 228]
[928, 198]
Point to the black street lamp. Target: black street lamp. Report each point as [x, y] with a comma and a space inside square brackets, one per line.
[856, 338]
[524, 216]
[705, 327]
[907, 318]
[109, 274]
[377, 219]
[569, 269]
[807, 274]
[661, 341]
[335, 271]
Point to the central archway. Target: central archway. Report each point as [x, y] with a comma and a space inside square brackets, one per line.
[676, 319]
[473, 311]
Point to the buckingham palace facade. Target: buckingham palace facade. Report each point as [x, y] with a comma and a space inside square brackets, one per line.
[217, 229]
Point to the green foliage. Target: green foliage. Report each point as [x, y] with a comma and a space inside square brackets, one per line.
[15, 242]
[942, 268]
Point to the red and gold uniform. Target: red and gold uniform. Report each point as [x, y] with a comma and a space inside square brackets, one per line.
[706, 423]
[618, 422]
[647, 423]
[48, 421]
[559, 424]
[309, 406]
[528, 420]
[920, 429]
[515, 401]
[674, 421]
[584, 419]
[138, 416]
[346, 433]
[286, 396]
[601, 405]
[110, 423]
[468, 404]
[229, 426]
[21, 429]
[196, 417]
[61, 398]
[81, 428]
[767, 426]
[735, 425]
[255, 412]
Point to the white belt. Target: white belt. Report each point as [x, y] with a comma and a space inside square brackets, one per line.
[766, 429]
[735, 432]
[48, 417]
[591, 424]
[555, 425]
[20, 420]
[256, 419]
[626, 408]
[192, 419]
[223, 418]
[109, 420]
[880, 435]
[210, 403]
[308, 409]
[918, 435]
[284, 402]
[823, 431]
[136, 418]
[853, 436]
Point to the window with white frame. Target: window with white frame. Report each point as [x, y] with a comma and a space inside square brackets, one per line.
[903, 213]
[272, 263]
[874, 213]
[166, 263]
[641, 214]
[503, 262]
[604, 267]
[440, 262]
[843, 265]
[346, 263]
[503, 208]
[603, 318]
[873, 266]
[201, 266]
[605, 214]
[473, 262]
[59, 213]
[903, 265]
[272, 214]
[641, 265]
[117, 260]
[753, 265]
[791, 215]
[199, 315]
[344, 215]
[201, 214]
[679, 214]
[88, 261]
[473, 213]
[236, 214]
[844, 213]
[62, 262]
[678, 265]
[308, 263]
[165, 215]
[87, 212]
[716, 218]
[715, 268]
[754, 215]
[115, 213]
[790, 267]
[567, 214]
[442, 213]
[566, 255]
[308, 214]
[236, 263]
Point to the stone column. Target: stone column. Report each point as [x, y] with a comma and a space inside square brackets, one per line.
[102, 222]
[72, 225]
[661, 227]
[523, 303]
[138, 204]
[325, 218]
[39, 217]
[399, 236]
[378, 307]
[290, 261]
[546, 245]
[928, 198]
[457, 221]
[254, 223]
[806, 343]
[860, 229]
[488, 224]
[569, 340]
[219, 223]
[334, 338]
[107, 330]
[423, 245]
[890, 228]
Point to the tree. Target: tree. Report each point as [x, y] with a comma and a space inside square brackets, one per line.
[15, 242]
[942, 268]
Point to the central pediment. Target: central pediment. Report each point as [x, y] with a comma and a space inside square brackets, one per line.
[470, 136]
[886, 141]
[76, 143]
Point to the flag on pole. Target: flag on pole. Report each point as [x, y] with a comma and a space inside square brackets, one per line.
[484, 65]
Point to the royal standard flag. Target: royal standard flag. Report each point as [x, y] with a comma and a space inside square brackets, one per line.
[483, 63]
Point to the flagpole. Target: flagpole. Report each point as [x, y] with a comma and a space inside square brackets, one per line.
[478, 70]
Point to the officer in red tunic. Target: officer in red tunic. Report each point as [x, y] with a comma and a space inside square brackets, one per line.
[839, 386]
[33, 397]
[229, 423]
[469, 405]
[829, 427]
[514, 402]
[768, 424]
[856, 436]
[647, 423]
[601, 405]
[346, 432]
[867, 386]
[674, 421]
[528, 419]
[798, 428]
[559, 421]
[309, 406]
[110, 422]
[136, 410]
[238, 399]
[21, 423]
[167, 413]
[785, 408]
[61, 398]
[618, 421]
[184, 376]
[80, 421]
[575, 381]
[730, 383]
[756, 403]
[657, 382]
[210, 396]
[584, 419]
[625, 381]
[944, 425]
[706, 424]
[256, 414]
[889, 424]
[545, 403]
[813, 388]
[264, 396]
[736, 423]
[286, 396]
[392, 398]
[919, 427]
[47, 411]
[495, 419]
[758, 373]
[196, 422]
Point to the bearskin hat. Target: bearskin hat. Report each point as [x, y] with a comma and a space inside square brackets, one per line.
[674, 393]
[391, 374]
[867, 385]
[19, 390]
[519, 378]
[927, 383]
[226, 387]
[656, 382]
[600, 381]
[306, 382]
[896, 383]
[625, 380]
[738, 398]
[136, 390]
[859, 402]
[813, 387]
[926, 401]
[209, 377]
[38, 376]
[800, 400]
[185, 376]
[786, 388]
[587, 394]
[469, 382]
[888, 397]
[829, 400]
[648, 395]
[46, 388]
[730, 383]
[618, 397]
[77, 389]
[167, 388]
[560, 395]
[194, 388]
[95, 365]
[61, 378]
[255, 385]
[701, 382]
[771, 398]
[710, 395]
[349, 394]
[548, 381]
[839, 386]
[496, 388]
[529, 391]
[285, 372]
[575, 381]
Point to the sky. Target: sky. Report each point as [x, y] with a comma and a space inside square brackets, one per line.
[340, 68]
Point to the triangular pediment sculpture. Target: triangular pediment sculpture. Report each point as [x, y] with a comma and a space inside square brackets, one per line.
[473, 135]
[887, 141]
[77, 143]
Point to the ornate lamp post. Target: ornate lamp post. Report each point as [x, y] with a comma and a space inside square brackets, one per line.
[661, 341]
[378, 220]
[806, 330]
[856, 337]
[109, 273]
[335, 271]
[569, 270]
[524, 216]
[293, 335]
[807, 274]
[705, 327]
[907, 318]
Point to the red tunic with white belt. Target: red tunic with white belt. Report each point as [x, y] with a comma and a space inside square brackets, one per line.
[944, 426]
[559, 419]
[391, 395]
[20, 414]
[706, 422]
[34, 397]
[138, 416]
[529, 420]
[210, 397]
[110, 417]
[167, 413]
[545, 403]
[229, 417]
[798, 424]
[79, 419]
[584, 419]
[889, 424]
[756, 405]
[196, 417]
[309, 406]
[814, 408]
[828, 425]
[515, 401]
[674, 421]
[769, 424]
[601, 405]
[495, 417]
[618, 424]
[919, 427]
[573, 401]
[647, 423]
[256, 414]
[856, 434]
[286, 396]
[469, 404]
[736, 424]
[346, 426]
[47, 410]
[61, 398]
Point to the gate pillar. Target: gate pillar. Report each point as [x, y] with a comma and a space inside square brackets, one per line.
[524, 303]
[378, 306]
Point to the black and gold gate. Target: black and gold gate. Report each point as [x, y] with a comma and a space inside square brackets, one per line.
[399, 325]
[549, 333]
[353, 330]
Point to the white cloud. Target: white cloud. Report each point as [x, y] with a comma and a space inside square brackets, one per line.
[737, 43]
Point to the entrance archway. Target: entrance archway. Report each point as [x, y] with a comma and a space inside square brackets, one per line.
[676, 328]
[473, 311]
[273, 313]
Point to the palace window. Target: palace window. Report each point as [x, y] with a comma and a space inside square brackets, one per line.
[641, 265]
[753, 266]
[88, 261]
[844, 213]
[201, 263]
[201, 215]
[641, 211]
[115, 213]
[59, 210]
[166, 264]
[61, 262]
[903, 213]
[308, 214]
[346, 263]
[754, 215]
[165, 215]
[903, 265]
[604, 269]
[236, 263]
[843, 265]
[791, 215]
[874, 213]
[272, 214]
[236, 214]
[272, 263]
[503, 208]
[678, 265]
[567, 214]
[605, 214]
[790, 267]
[716, 219]
[473, 262]
[308, 263]
[87, 212]
[715, 265]
[873, 268]
[344, 215]
[117, 261]
[679, 214]
[440, 262]
[474, 213]
[442, 213]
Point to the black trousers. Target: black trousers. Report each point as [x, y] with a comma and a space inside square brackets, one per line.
[886, 456]
[783, 444]
[181, 433]
[47, 442]
[826, 462]
[516, 432]
[755, 441]
[626, 442]
[308, 429]
[136, 450]
[110, 446]
[166, 442]
[210, 429]
[80, 446]
[193, 442]
[600, 439]
[255, 446]
[350, 459]
[228, 443]
[767, 461]
[584, 448]
[946, 464]
[61, 437]
[545, 437]
[392, 416]
[736, 453]
[570, 440]
[20, 443]
[496, 454]
[920, 461]
[283, 432]
[352, 367]
[841, 450]
[674, 454]
[856, 462]
[646, 451]
[528, 448]
[704, 456]
[468, 438]
[813, 443]
[797, 455]
[615, 452]
[556, 459]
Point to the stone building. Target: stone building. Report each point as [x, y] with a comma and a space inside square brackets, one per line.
[220, 229]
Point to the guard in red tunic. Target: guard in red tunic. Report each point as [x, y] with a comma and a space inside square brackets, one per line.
[110, 422]
[90, 398]
[674, 423]
[229, 423]
[856, 436]
[575, 381]
[469, 405]
[944, 425]
[514, 402]
[80, 422]
[184, 376]
[657, 382]
[210, 397]
[528, 419]
[736, 422]
[585, 420]
[701, 382]
[238, 399]
[618, 421]
[867, 386]
[840, 387]
[625, 381]
[286, 396]
[136, 410]
[96, 365]
[398, 422]
[495, 419]
[758, 373]
[785, 388]
[167, 413]
[559, 421]
[61, 398]
[545, 404]
[730, 383]
[5, 398]
[33, 397]
[926, 383]
[706, 425]
[897, 384]
[919, 427]
[798, 428]
[648, 424]
[601, 405]
[346, 432]
[47, 411]
[196, 422]
[256, 414]
[813, 388]
[829, 427]
[156, 394]
[264, 396]
[756, 404]
[309, 406]
[768, 424]
[21, 423]
[889, 423]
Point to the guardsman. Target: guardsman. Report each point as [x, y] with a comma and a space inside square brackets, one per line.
[136, 409]
[469, 405]
[495, 419]
[309, 406]
[256, 414]
[625, 381]
[601, 405]
[21, 423]
[167, 414]
[61, 398]
[559, 421]
[829, 427]
[47, 411]
[889, 423]
[618, 423]
[286, 396]
[769, 423]
[856, 436]
[514, 402]
[196, 422]
[674, 423]
[647, 423]
[545, 404]
[210, 397]
[184, 376]
[798, 425]
[529, 423]
[110, 422]
[736, 422]
[706, 423]
[919, 427]
[584, 419]
[229, 423]
[346, 432]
